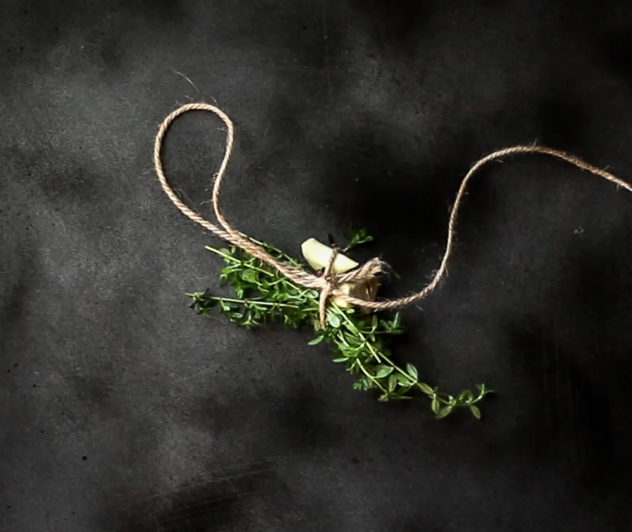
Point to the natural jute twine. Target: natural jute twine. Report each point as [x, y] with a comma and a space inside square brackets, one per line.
[328, 283]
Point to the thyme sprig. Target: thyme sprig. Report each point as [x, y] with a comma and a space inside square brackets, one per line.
[263, 295]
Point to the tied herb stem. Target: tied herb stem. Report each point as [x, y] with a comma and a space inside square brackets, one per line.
[264, 295]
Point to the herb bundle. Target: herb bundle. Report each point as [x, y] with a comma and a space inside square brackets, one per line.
[359, 340]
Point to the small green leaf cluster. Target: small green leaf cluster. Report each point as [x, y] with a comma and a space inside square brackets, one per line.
[263, 295]
[357, 237]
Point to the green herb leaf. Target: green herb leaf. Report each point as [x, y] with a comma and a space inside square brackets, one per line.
[316, 340]
[249, 276]
[412, 371]
[333, 320]
[443, 412]
[435, 405]
[392, 383]
[383, 371]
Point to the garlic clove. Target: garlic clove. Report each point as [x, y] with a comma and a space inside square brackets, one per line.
[338, 301]
[364, 290]
[318, 256]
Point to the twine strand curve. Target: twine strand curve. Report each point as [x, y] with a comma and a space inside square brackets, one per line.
[328, 283]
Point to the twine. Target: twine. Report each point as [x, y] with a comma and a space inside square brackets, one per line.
[328, 283]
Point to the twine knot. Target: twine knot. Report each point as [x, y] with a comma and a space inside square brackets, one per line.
[367, 275]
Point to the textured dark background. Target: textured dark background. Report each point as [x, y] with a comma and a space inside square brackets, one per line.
[122, 410]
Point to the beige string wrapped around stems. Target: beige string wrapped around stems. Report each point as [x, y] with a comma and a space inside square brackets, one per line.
[328, 283]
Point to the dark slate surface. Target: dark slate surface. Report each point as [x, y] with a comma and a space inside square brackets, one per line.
[121, 410]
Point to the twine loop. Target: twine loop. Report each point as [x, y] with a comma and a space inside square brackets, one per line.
[329, 283]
